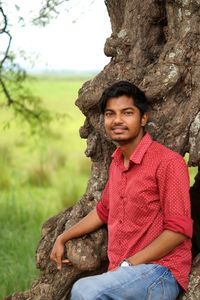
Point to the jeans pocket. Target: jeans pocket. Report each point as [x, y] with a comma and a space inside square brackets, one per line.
[165, 288]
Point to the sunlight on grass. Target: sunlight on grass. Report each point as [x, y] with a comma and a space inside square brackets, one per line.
[5, 164]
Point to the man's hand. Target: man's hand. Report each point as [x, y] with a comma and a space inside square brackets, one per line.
[88, 224]
[57, 253]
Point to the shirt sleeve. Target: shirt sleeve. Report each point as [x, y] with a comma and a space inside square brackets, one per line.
[173, 183]
[102, 206]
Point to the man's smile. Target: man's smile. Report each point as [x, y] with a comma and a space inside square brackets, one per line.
[118, 129]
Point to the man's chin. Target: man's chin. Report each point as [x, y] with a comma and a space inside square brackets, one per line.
[120, 140]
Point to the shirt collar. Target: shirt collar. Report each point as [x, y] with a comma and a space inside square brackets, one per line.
[138, 153]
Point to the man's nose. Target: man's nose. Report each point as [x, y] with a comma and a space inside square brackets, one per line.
[118, 119]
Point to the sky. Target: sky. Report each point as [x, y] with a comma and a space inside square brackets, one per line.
[74, 41]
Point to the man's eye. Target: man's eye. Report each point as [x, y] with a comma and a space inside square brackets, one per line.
[128, 113]
[108, 113]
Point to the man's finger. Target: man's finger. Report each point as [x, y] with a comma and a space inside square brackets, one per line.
[53, 257]
[59, 263]
[67, 261]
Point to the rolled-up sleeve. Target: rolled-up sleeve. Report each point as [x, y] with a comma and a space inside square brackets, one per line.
[173, 182]
[102, 206]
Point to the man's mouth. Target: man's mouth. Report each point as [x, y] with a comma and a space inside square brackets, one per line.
[118, 129]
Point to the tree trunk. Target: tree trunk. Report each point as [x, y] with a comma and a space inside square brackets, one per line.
[156, 45]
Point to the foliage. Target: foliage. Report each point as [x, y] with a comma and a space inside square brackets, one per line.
[13, 88]
[48, 11]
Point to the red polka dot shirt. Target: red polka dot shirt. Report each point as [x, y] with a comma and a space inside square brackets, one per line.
[141, 201]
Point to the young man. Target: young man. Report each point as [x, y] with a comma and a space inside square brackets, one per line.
[146, 206]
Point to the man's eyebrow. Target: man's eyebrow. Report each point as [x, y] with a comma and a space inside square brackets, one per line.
[106, 109]
[131, 107]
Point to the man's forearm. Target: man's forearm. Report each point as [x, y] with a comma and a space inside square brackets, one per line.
[88, 224]
[160, 247]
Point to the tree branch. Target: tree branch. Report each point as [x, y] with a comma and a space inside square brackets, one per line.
[2, 31]
[6, 92]
[12, 78]
[45, 12]
[5, 20]
[7, 49]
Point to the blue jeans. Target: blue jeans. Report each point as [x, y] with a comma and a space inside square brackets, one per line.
[141, 282]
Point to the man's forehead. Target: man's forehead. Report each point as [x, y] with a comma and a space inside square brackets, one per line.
[120, 106]
[122, 100]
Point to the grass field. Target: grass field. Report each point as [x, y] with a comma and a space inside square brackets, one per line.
[39, 177]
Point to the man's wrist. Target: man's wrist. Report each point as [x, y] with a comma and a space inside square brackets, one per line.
[125, 263]
[62, 239]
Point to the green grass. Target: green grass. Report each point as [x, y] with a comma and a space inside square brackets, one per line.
[39, 177]
[192, 171]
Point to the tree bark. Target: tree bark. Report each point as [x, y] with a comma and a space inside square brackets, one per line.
[156, 45]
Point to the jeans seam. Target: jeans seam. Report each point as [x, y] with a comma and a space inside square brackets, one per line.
[153, 268]
[149, 290]
[160, 280]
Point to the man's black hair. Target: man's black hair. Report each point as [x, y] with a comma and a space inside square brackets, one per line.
[124, 88]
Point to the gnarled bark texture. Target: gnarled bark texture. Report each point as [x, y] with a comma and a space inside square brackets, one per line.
[156, 45]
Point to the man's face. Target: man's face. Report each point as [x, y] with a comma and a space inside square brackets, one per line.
[122, 120]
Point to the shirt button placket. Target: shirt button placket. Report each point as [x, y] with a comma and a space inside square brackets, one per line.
[121, 215]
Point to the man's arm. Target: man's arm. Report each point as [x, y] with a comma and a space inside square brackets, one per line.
[166, 242]
[88, 224]
[173, 183]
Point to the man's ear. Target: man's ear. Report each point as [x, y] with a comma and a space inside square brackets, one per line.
[144, 119]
